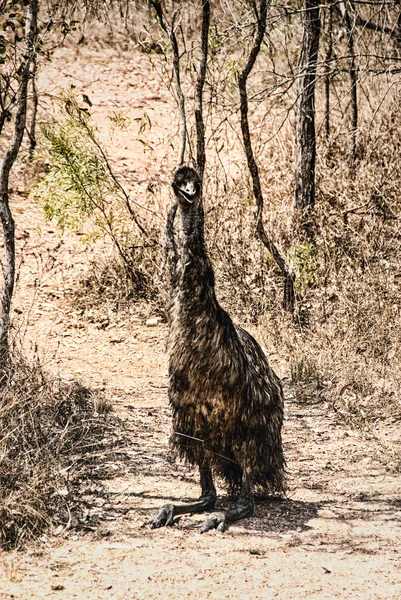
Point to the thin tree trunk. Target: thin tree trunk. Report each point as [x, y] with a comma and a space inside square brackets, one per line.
[32, 125]
[289, 276]
[176, 68]
[2, 121]
[343, 7]
[6, 219]
[305, 118]
[329, 54]
[200, 129]
[354, 86]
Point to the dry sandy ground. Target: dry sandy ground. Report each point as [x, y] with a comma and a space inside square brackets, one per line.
[337, 535]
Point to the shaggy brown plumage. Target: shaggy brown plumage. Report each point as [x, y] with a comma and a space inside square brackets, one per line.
[222, 390]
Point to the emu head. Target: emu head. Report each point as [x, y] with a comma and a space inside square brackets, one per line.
[186, 186]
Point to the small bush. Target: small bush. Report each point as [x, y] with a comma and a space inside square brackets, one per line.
[80, 190]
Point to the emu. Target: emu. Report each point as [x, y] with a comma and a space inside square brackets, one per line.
[227, 402]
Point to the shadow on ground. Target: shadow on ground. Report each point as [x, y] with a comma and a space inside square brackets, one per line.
[282, 516]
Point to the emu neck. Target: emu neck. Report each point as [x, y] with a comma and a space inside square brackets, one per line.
[196, 278]
[191, 228]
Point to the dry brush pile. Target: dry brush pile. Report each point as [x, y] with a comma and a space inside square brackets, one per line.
[48, 430]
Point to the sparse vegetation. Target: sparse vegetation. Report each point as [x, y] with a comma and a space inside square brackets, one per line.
[346, 268]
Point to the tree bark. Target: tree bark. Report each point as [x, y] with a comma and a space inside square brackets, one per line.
[305, 117]
[6, 218]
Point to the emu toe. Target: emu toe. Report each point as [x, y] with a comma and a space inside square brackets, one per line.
[164, 518]
[215, 521]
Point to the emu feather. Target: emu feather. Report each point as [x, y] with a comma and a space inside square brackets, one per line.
[221, 388]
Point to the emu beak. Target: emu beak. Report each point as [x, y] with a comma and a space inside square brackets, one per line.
[189, 192]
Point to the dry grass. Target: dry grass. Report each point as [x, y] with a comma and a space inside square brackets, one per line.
[116, 283]
[349, 353]
[46, 424]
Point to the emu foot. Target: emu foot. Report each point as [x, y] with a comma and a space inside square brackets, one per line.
[241, 510]
[215, 521]
[164, 518]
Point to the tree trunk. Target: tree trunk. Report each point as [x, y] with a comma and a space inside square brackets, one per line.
[289, 276]
[200, 128]
[6, 219]
[329, 55]
[354, 86]
[170, 31]
[35, 101]
[344, 7]
[8, 268]
[305, 118]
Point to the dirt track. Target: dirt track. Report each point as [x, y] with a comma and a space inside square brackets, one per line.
[336, 536]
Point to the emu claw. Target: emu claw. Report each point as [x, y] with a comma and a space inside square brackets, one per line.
[215, 521]
[165, 517]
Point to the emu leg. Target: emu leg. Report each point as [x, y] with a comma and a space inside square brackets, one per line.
[242, 509]
[166, 514]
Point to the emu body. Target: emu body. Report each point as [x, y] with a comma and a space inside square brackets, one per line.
[222, 390]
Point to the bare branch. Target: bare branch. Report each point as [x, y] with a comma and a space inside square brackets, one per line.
[124, 193]
[176, 68]
[35, 100]
[394, 32]
[289, 295]
[200, 129]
